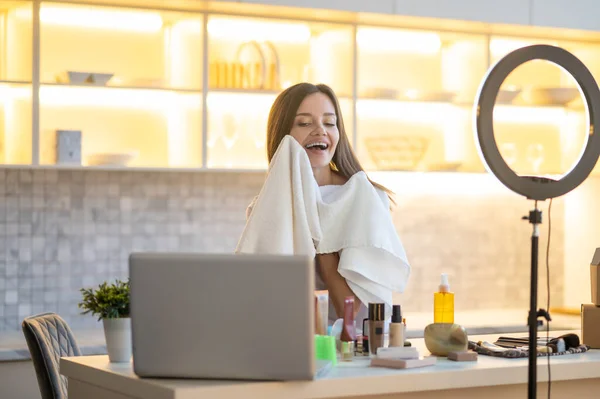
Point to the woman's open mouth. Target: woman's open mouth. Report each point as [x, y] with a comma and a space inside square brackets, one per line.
[317, 147]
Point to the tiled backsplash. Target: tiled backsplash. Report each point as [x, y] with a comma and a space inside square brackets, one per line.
[483, 245]
[61, 230]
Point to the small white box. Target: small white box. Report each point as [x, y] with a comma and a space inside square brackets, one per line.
[68, 147]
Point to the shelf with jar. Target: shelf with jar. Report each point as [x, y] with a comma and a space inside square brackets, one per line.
[250, 61]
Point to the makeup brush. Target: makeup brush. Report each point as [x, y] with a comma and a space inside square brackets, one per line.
[568, 341]
[571, 340]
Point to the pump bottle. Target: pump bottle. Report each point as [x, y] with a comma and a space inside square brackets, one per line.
[443, 302]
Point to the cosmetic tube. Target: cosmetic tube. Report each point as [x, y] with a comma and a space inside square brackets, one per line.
[348, 334]
[376, 327]
[321, 311]
[348, 330]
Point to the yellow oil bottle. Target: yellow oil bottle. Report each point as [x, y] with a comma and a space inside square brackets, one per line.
[443, 302]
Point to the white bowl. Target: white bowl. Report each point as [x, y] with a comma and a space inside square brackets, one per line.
[506, 96]
[80, 78]
[100, 79]
[433, 96]
[77, 77]
[550, 96]
[111, 159]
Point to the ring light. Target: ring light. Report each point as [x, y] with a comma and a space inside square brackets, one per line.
[534, 187]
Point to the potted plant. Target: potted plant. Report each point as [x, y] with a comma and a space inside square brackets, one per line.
[111, 304]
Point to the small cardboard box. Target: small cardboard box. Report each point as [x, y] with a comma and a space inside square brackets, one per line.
[590, 325]
[595, 277]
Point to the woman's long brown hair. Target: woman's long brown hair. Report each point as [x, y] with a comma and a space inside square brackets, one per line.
[281, 120]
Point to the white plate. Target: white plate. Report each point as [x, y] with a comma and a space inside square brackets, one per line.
[111, 159]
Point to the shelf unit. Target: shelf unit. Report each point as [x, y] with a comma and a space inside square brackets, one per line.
[188, 93]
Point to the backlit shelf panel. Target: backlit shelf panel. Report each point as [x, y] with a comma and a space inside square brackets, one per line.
[226, 91]
[151, 88]
[162, 127]
[15, 82]
[90, 96]
[15, 122]
[244, 91]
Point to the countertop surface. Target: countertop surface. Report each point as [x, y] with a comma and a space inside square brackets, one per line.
[500, 321]
[14, 348]
[353, 379]
[490, 321]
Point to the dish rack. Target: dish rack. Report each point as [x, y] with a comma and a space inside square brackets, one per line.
[397, 152]
[256, 66]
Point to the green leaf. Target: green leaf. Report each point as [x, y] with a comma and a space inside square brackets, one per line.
[107, 301]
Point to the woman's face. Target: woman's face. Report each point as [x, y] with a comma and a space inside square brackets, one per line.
[316, 130]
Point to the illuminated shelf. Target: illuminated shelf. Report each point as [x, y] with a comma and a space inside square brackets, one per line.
[15, 82]
[245, 91]
[163, 128]
[406, 101]
[89, 96]
[546, 106]
[170, 60]
[16, 38]
[149, 88]
[15, 122]
[264, 92]
[463, 104]
[148, 49]
[411, 111]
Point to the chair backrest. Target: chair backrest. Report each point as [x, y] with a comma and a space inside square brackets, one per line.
[49, 338]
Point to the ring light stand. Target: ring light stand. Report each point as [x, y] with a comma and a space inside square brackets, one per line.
[533, 187]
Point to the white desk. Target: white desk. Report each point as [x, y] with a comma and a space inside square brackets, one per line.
[573, 376]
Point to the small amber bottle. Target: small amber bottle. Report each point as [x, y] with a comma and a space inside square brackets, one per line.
[443, 303]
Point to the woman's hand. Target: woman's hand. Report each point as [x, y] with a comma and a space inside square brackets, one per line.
[327, 267]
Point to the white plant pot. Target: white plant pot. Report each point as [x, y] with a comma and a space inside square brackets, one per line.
[118, 339]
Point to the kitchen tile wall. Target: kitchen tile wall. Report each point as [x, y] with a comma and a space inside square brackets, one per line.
[484, 246]
[61, 230]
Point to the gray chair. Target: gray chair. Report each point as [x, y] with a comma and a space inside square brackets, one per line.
[49, 338]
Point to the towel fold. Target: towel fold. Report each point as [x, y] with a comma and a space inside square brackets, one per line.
[293, 215]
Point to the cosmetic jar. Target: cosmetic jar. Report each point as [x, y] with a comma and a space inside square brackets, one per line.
[347, 351]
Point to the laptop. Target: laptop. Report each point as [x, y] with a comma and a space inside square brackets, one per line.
[223, 316]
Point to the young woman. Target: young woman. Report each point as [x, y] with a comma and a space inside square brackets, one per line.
[311, 115]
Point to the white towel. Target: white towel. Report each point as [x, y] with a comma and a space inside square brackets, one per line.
[291, 216]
